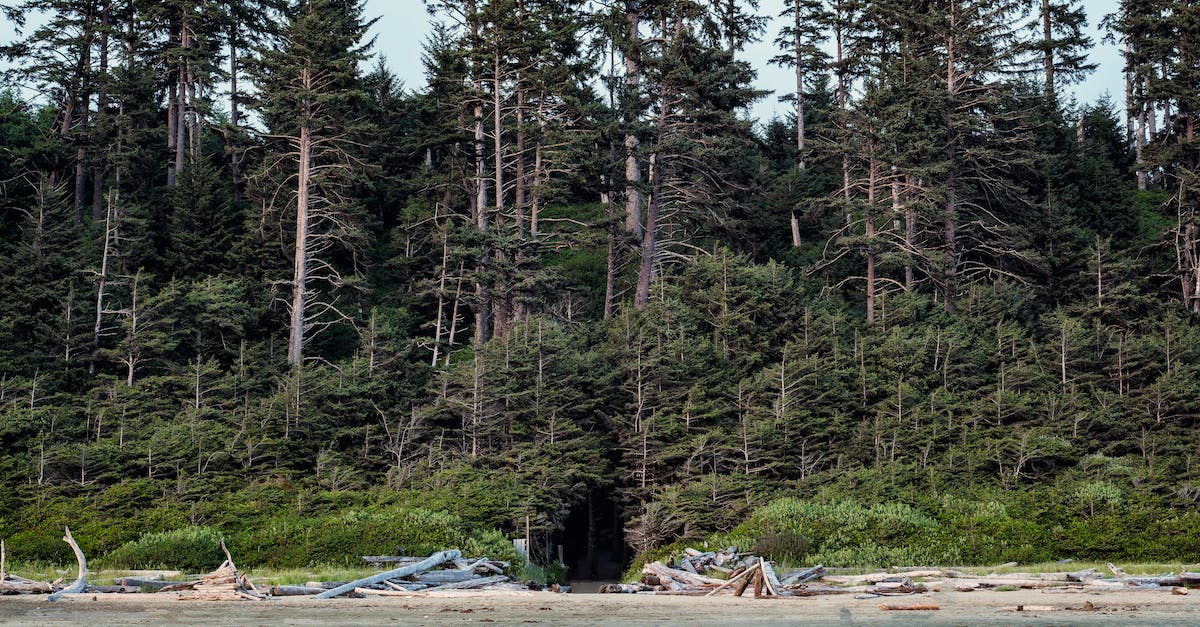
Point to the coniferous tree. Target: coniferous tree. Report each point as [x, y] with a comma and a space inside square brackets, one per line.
[309, 88]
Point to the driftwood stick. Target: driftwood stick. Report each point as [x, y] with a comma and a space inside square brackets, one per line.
[916, 608]
[386, 593]
[81, 581]
[772, 580]
[732, 580]
[404, 571]
[228, 557]
[746, 580]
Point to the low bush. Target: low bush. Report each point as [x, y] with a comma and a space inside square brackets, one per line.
[194, 549]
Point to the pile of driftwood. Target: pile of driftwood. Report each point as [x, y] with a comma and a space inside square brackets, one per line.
[441, 572]
[731, 572]
[693, 574]
[444, 572]
[224, 583]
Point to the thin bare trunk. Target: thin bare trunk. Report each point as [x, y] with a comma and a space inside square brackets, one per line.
[869, 217]
[300, 259]
[183, 104]
[501, 304]
[101, 114]
[1048, 52]
[633, 170]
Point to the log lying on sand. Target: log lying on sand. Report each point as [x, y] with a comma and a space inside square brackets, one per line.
[81, 580]
[496, 566]
[436, 559]
[139, 582]
[470, 584]
[26, 586]
[803, 576]
[294, 591]
[623, 588]
[660, 570]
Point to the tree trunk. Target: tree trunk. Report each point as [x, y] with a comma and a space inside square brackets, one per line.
[949, 216]
[646, 268]
[101, 115]
[797, 24]
[501, 305]
[1048, 52]
[235, 165]
[300, 259]
[182, 102]
[633, 171]
[869, 217]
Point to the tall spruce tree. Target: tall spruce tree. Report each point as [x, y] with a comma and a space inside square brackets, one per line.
[310, 89]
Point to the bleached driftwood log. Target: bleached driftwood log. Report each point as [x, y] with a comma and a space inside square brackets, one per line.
[436, 559]
[80, 581]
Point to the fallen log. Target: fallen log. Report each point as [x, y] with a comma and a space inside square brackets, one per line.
[113, 589]
[857, 580]
[294, 591]
[386, 593]
[996, 582]
[623, 588]
[772, 580]
[480, 582]
[81, 580]
[438, 577]
[178, 586]
[138, 582]
[804, 576]
[26, 586]
[661, 570]
[816, 590]
[433, 560]
[1083, 575]
[461, 563]
[910, 608]
[405, 586]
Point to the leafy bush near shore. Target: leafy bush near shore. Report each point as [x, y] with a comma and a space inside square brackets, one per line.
[270, 523]
[1036, 526]
[194, 549]
[343, 538]
[841, 533]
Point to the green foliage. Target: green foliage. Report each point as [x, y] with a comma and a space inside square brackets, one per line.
[193, 549]
[1025, 386]
[844, 533]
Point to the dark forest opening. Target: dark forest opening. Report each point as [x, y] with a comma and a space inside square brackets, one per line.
[593, 539]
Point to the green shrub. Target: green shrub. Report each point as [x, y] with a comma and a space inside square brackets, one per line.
[782, 546]
[195, 549]
[289, 541]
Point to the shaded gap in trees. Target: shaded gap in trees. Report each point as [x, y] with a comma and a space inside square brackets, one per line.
[593, 539]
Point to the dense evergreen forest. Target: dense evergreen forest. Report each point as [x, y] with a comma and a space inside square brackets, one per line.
[942, 312]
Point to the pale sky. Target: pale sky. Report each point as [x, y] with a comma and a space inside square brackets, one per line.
[404, 24]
